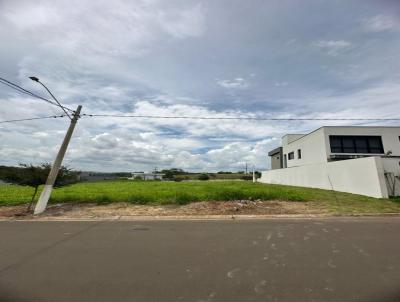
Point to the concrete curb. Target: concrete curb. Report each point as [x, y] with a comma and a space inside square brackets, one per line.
[206, 217]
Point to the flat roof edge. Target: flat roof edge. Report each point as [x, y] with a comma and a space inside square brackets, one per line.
[274, 151]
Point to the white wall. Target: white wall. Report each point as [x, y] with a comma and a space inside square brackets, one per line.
[288, 138]
[363, 176]
[312, 149]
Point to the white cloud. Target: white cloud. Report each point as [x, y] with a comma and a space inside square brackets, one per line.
[113, 28]
[381, 23]
[333, 47]
[280, 84]
[184, 23]
[237, 83]
[40, 134]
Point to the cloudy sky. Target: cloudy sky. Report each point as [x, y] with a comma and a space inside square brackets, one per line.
[283, 58]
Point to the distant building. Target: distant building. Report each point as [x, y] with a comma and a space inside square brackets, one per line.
[97, 176]
[356, 159]
[147, 176]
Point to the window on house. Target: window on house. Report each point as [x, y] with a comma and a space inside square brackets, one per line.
[356, 144]
[375, 144]
[336, 144]
[291, 155]
[361, 145]
[348, 145]
[298, 153]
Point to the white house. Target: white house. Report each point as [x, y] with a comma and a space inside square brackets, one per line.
[147, 176]
[354, 159]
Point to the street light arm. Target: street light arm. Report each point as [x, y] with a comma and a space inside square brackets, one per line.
[35, 79]
[54, 98]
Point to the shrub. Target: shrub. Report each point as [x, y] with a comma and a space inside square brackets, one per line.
[203, 177]
[34, 176]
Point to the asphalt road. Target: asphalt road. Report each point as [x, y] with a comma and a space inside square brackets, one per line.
[255, 260]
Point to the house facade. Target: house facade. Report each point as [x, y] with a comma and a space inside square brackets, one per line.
[332, 148]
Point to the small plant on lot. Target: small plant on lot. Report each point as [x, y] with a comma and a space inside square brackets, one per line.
[203, 176]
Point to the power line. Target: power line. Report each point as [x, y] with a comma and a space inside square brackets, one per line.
[239, 118]
[32, 118]
[25, 91]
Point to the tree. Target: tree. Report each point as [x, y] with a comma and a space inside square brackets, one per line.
[171, 174]
[203, 176]
[168, 174]
[34, 176]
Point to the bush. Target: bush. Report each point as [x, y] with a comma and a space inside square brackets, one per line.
[34, 176]
[203, 177]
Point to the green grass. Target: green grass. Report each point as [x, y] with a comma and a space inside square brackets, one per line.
[213, 176]
[184, 192]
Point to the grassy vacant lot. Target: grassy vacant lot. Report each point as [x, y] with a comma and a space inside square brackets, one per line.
[185, 192]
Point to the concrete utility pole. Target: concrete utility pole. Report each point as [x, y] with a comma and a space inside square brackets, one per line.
[48, 187]
[254, 175]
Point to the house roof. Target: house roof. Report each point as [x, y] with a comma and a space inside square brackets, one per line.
[275, 151]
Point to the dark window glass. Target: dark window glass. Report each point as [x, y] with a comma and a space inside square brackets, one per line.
[361, 145]
[298, 153]
[336, 144]
[375, 145]
[291, 155]
[356, 144]
[348, 145]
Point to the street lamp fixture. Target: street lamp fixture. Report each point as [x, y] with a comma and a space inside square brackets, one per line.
[35, 79]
